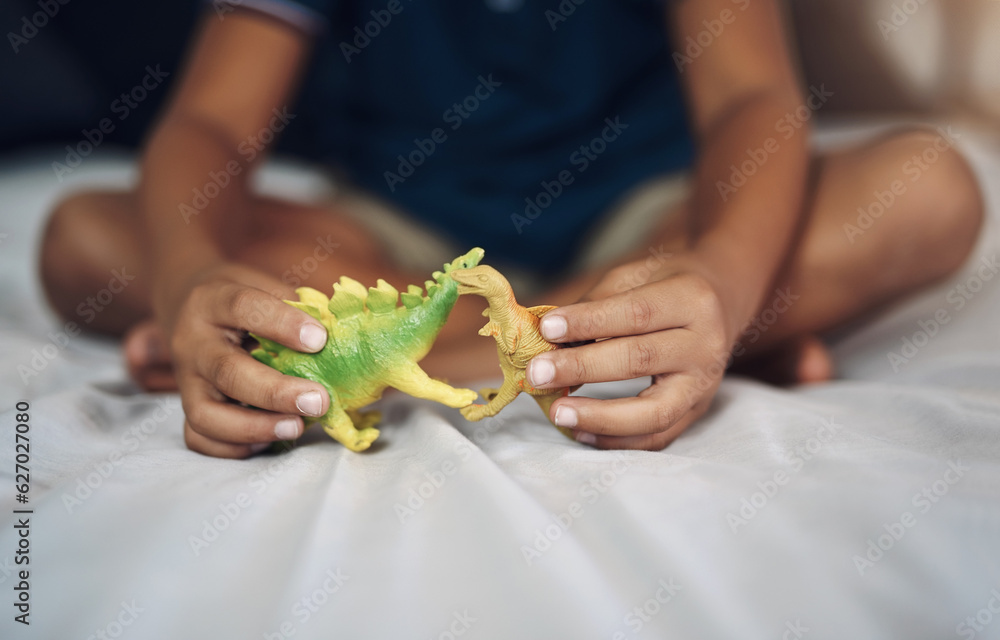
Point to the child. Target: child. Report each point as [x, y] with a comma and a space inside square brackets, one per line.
[511, 125]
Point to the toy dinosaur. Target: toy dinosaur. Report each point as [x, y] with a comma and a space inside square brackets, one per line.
[515, 328]
[372, 344]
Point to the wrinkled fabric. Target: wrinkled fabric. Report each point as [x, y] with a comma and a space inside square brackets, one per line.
[751, 525]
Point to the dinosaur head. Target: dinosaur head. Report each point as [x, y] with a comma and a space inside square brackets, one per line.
[467, 261]
[442, 280]
[483, 280]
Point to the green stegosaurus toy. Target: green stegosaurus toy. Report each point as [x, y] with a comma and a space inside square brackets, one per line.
[372, 344]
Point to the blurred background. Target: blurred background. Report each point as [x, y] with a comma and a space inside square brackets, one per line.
[67, 75]
[922, 56]
[891, 57]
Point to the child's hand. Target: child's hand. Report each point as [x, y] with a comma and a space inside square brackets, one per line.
[214, 372]
[673, 327]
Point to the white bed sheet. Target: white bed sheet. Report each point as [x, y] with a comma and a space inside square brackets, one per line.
[322, 546]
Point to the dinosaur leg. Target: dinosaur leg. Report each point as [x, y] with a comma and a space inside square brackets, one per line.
[339, 426]
[545, 403]
[498, 399]
[364, 419]
[414, 381]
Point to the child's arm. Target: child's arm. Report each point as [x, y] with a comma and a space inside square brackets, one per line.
[681, 322]
[241, 69]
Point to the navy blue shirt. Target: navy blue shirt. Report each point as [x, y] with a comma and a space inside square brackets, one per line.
[507, 124]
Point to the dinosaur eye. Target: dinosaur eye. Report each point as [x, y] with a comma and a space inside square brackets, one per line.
[484, 279]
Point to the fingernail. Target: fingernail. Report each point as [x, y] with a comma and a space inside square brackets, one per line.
[553, 327]
[260, 446]
[566, 417]
[310, 403]
[585, 438]
[312, 336]
[541, 371]
[287, 429]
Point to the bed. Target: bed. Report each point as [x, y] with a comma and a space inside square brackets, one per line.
[868, 507]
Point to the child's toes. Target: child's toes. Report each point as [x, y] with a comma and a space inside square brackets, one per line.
[144, 345]
[148, 358]
[814, 361]
[802, 360]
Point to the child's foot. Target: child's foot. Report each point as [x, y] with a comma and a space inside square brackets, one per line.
[815, 364]
[804, 360]
[148, 358]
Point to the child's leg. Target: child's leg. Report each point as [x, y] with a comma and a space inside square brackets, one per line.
[835, 275]
[91, 236]
[925, 233]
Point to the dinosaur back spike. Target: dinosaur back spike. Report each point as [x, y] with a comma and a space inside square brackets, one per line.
[310, 296]
[308, 308]
[411, 300]
[353, 286]
[382, 298]
[348, 298]
[414, 290]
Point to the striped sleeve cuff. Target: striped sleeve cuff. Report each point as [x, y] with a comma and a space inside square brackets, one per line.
[297, 15]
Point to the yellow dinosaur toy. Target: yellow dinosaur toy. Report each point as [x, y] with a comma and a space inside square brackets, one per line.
[515, 328]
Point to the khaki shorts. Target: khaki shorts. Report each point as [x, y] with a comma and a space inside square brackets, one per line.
[626, 225]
